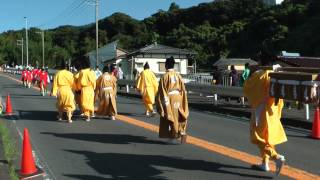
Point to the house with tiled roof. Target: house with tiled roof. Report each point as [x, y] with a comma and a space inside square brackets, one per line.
[155, 55]
[298, 61]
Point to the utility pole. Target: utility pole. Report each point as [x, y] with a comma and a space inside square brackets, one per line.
[42, 37]
[27, 47]
[97, 33]
[20, 43]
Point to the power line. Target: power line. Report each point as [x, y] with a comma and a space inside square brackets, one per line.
[66, 13]
[80, 10]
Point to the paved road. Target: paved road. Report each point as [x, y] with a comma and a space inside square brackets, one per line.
[104, 149]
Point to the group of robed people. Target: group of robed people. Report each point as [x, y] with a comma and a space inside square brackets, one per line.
[171, 102]
[84, 89]
[38, 77]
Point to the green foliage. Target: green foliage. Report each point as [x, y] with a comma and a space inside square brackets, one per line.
[223, 28]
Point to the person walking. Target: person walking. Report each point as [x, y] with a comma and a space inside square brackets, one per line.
[28, 78]
[172, 104]
[266, 130]
[87, 83]
[63, 85]
[43, 81]
[106, 92]
[147, 85]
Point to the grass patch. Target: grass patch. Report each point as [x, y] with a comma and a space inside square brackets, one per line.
[10, 150]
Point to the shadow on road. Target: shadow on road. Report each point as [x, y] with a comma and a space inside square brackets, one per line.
[37, 115]
[135, 166]
[84, 177]
[106, 138]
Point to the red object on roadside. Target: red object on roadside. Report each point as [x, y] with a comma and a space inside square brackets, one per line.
[8, 106]
[28, 166]
[316, 125]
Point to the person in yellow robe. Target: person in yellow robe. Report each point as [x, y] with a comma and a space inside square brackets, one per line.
[87, 83]
[172, 104]
[106, 92]
[63, 85]
[266, 129]
[147, 85]
[77, 91]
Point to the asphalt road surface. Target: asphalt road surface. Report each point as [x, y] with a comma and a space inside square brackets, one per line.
[105, 149]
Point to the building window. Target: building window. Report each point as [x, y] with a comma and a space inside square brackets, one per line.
[139, 65]
[162, 67]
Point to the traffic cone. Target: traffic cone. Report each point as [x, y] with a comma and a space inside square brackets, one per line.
[316, 125]
[28, 166]
[8, 106]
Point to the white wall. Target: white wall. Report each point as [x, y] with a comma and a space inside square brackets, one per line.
[154, 64]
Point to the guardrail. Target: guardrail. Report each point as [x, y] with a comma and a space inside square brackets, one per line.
[213, 91]
[231, 91]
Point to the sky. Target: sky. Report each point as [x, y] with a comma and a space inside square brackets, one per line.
[46, 14]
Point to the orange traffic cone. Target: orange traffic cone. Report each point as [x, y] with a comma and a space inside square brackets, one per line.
[316, 125]
[28, 166]
[8, 106]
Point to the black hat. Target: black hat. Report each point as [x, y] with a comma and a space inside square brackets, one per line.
[146, 65]
[170, 63]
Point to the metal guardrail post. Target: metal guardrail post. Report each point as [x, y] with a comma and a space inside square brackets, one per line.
[127, 88]
[215, 99]
[307, 110]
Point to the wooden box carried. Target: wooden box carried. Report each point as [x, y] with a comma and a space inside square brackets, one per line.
[297, 86]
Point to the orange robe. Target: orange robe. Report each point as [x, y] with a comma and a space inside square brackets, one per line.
[266, 129]
[172, 105]
[106, 92]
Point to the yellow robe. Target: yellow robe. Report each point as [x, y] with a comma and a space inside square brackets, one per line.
[172, 105]
[63, 84]
[87, 84]
[147, 85]
[266, 129]
[77, 93]
[106, 92]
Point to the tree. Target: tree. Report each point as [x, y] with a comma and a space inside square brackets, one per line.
[173, 7]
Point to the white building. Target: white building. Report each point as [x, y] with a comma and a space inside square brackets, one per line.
[156, 54]
[107, 55]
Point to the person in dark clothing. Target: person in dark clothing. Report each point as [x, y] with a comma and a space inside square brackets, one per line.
[216, 76]
[234, 77]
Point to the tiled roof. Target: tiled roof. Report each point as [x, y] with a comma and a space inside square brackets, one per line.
[162, 49]
[234, 61]
[300, 61]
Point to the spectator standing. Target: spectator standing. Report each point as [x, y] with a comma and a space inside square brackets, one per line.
[97, 72]
[234, 77]
[119, 72]
[244, 76]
